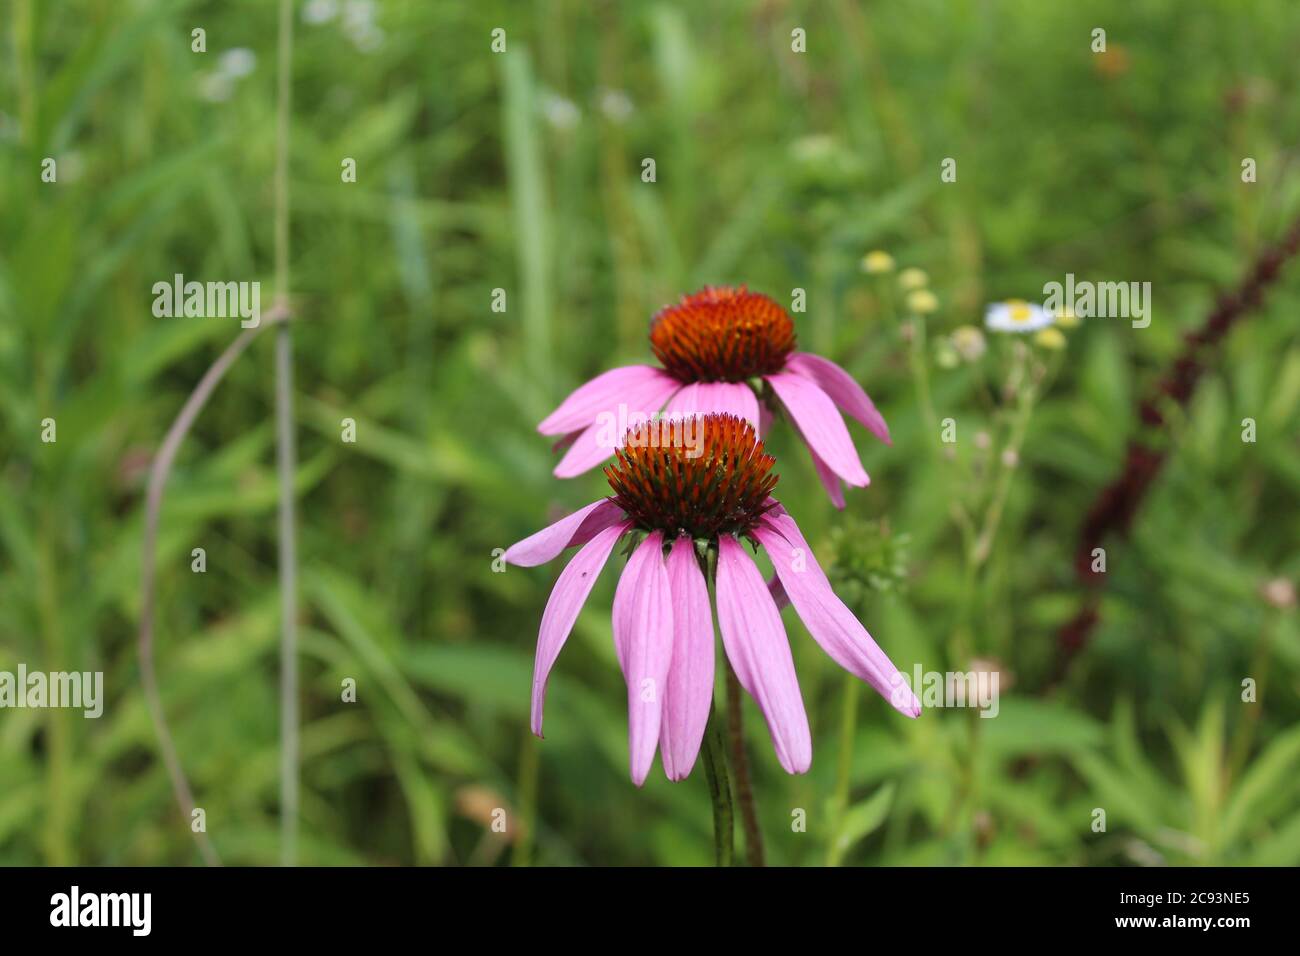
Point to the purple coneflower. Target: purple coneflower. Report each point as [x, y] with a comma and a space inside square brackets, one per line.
[688, 491]
[722, 350]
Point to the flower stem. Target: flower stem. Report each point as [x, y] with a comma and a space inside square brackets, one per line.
[740, 764]
[840, 800]
[526, 801]
[715, 769]
[159, 472]
[1026, 394]
[286, 463]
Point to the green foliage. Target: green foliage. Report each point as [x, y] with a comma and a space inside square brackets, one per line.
[521, 171]
[867, 559]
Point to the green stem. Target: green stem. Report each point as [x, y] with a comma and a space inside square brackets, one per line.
[962, 646]
[840, 799]
[972, 781]
[921, 376]
[527, 802]
[715, 770]
[740, 764]
[1239, 750]
[1028, 393]
[25, 60]
[58, 849]
[286, 463]
[526, 175]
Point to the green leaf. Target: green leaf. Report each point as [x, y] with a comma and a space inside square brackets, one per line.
[1026, 726]
[864, 818]
[1269, 784]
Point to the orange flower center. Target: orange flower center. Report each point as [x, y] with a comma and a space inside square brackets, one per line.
[702, 476]
[722, 335]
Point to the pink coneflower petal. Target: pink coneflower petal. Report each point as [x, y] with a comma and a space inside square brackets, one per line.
[690, 677]
[774, 588]
[830, 623]
[624, 599]
[842, 388]
[830, 481]
[586, 451]
[647, 642]
[576, 529]
[700, 398]
[756, 645]
[599, 440]
[566, 600]
[820, 422]
[608, 425]
[636, 386]
[564, 441]
[734, 398]
[684, 403]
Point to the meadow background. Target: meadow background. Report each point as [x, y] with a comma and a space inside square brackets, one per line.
[521, 171]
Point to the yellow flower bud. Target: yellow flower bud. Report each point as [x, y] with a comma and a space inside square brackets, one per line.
[913, 278]
[1050, 338]
[922, 302]
[877, 261]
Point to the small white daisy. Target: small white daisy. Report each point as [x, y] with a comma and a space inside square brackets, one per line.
[360, 26]
[616, 105]
[1016, 315]
[969, 343]
[237, 62]
[320, 11]
[561, 113]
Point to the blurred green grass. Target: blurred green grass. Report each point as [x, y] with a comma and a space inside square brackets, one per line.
[521, 171]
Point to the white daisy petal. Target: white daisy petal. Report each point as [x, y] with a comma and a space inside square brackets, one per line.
[1016, 315]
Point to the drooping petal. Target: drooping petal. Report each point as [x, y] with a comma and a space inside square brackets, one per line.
[829, 621]
[781, 519]
[635, 386]
[609, 426]
[624, 599]
[756, 645]
[598, 440]
[779, 597]
[821, 425]
[842, 388]
[576, 529]
[647, 641]
[592, 445]
[774, 507]
[689, 693]
[566, 600]
[564, 441]
[830, 481]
